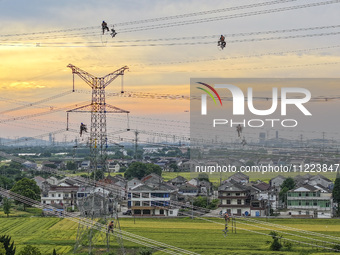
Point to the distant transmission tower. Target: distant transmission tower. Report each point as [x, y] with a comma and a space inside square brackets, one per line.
[94, 205]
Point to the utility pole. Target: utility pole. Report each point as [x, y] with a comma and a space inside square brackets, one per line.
[136, 143]
[323, 141]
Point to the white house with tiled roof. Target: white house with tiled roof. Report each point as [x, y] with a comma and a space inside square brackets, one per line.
[309, 201]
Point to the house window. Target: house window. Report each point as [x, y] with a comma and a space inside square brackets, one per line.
[299, 202]
[146, 212]
[52, 195]
[237, 194]
[229, 211]
[299, 212]
[315, 203]
[307, 212]
[228, 194]
[44, 201]
[59, 195]
[145, 195]
[239, 211]
[228, 202]
[146, 203]
[307, 203]
[256, 204]
[171, 212]
[327, 204]
[135, 195]
[161, 211]
[299, 194]
[239, 201]
[137, 203]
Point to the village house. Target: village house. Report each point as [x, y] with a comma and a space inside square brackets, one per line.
[276, 182]
[309, 201]
[239, 178]
[152, 180]
[62, 195]
[133, 182]
[234, 198]
[178, 181]
[188, 189]
[144, 200]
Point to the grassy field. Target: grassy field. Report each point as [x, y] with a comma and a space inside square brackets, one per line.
[196, 235]
[215, 177]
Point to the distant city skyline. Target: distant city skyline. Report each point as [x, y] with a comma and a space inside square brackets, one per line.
[33, 65]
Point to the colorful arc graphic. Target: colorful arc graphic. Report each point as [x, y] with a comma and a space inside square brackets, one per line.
[218, 96]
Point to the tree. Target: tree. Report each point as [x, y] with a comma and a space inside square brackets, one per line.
[46, 154]
[174, 167]
[51, 166]
[71, 165]
[99, 175]
[6, 182]
[9, 248]
[139, 170]
[27, 188]
[54, 252]
[203, 177]
[30, 250]
[275, 245]
[2, 249]
[287, 185]
[204, 203]
[7, 206]
[200, 202]
[122, 169]
[213, 204]
[336, 193]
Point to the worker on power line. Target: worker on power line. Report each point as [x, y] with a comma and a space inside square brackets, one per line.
[239, 130]
[227, 219]
[83, 128]
[104, 26]
[110, 227]
[113, 33]
[221, 42]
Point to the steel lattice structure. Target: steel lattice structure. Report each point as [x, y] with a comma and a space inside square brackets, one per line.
[98, 109]
[92, 206]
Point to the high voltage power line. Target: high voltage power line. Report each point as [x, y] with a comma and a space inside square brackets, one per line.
[99, 45]
[197, 21]
[161, 18]
[190, 37]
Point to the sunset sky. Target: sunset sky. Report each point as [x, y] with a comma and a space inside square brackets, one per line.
[36, 47]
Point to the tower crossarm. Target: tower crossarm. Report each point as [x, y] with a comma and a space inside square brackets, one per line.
[87, 77]
[112, 76]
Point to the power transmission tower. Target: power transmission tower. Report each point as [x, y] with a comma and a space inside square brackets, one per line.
[93, 205]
